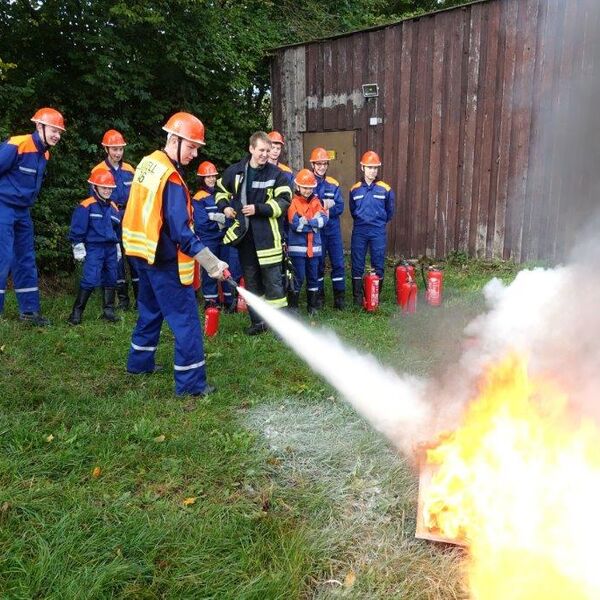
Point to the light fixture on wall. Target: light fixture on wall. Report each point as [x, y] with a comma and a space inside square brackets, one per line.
[371, 90]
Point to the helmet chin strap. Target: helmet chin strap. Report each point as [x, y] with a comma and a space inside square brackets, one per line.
[44, 135]
[179, 141]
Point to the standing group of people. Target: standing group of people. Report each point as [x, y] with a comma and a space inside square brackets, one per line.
[254, 219]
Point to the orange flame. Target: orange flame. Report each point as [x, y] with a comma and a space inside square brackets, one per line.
[519, 481]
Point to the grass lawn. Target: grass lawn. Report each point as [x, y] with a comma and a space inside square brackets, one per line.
[111, 487]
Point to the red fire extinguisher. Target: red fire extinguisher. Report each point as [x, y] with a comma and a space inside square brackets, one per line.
[241, 305]
[408, 296]
[404, 272]
[370, 292]
[435, 282]
[211, 321]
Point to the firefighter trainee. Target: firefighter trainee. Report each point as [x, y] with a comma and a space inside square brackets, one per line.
[256, 195]
[114, 144]
[95, 228]
[158, 232]
[328, 190]
[23, 160]
[307, 217]
[372, 207]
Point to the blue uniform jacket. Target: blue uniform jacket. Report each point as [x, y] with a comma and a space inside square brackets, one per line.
[305, 239]
[328, 188]
[95, 221]
[204, 204]
[123, 179]
[23, 161]
[372, 204]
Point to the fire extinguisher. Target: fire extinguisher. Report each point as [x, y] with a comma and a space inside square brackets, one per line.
[404, 272]
[211, 321]
[408, 296]
[370, 292]
[435, 282]
[241, 305]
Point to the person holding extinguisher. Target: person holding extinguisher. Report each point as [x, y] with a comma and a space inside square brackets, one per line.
[210, 225]
[372, 208]
[306, 217]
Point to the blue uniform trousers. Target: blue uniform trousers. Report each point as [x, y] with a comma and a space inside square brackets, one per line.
[162, 296]
[17, 256]
[100, 266]
[231, 257]
[306, 268]
[121, 276]
[372, 238]
[332, 244]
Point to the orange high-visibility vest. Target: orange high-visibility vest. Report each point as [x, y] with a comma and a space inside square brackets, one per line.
[143, 216]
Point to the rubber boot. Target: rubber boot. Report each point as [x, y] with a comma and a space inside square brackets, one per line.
[357, 292]
[312, 303]
[135, 286]
[321, 297]
[293, 299]
[339, 299]
[123, 296]
[380, 288]
[108, 305]
[82, 297]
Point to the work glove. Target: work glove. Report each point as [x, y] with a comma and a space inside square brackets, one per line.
[213, 266]
[328, 203]
[119, 253]
[218, 218]
[302, 222]
[79, 252]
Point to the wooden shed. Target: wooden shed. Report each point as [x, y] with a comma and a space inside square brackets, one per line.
[484, 116]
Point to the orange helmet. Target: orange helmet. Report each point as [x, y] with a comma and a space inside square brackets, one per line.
[206, 169]
[103, 178]
[113, 138]
[276, 137]
[319, 155]
[49, 116]
[186, 126]
[370, 159]
[305, 178]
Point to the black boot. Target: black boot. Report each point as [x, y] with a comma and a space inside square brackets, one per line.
[339, 299]
[312, 303]
[108, 305]
[321, 297]
[135, 287]
[357, 291]
[82, 297]
[293, 298]
[123, 295]
[380, 289]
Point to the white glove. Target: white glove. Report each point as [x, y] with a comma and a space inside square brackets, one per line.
[119, 253]
[213, 266]
[217, 216]
[328, 203]
[303, 222]
[79, 252]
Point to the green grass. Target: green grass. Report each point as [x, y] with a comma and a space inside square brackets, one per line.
[293, 492]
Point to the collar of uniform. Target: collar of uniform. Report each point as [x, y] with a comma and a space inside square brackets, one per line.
[110, 166]
[210, 190]
[37, 140]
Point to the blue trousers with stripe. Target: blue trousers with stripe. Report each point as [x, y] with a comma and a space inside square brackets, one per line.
[17, 257]
[332, 244]
[372, 238]
[306, 268]
[100, 266]
[161, 296]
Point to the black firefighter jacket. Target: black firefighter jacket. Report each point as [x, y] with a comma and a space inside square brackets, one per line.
[271, 195]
